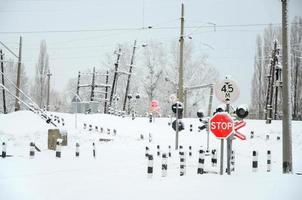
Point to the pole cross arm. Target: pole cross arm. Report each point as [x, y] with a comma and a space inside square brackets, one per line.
[122, 72]
[85, 85]
[100, 99]
[199, 86]
[102, 85]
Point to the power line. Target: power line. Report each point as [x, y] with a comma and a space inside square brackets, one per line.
[136, 28]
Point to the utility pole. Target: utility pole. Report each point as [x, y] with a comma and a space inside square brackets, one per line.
[92, 85]
[48, 89]
[3, 91]
[106, 92]
[129, 76]
[78, 84]
[287, 104]
[180, 94]
[17, 104]
[115, 76]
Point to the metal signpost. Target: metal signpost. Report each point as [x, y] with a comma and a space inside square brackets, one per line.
[227, 91]
[222, 126]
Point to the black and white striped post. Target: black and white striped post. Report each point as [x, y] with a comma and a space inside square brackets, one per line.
[190, 150]
[170, 120]
[85, 126]
[252, 135]
[108, 131]
[200, 169]
[147, 152]
[255, 161]
[58, 149]
[214, 158]
[3, 150]
[114, 132]
[150, 137]
[102, 129]
[232, 161]
[269, 161]
[150, 166]
[150, 117]
[164, 165]
[191, 127]
[169, 151]
[93, 150]
[158, 150]
[90, 127]
[96, 128]
[77, 153]
[180, 149]
[63, 122]
[182, 162]
[32, 150]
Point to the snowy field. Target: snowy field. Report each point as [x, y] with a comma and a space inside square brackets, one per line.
[119, 170]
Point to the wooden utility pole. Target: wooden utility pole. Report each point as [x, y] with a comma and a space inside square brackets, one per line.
[129, 76]
[3, 90]
[115, 76]
[286, 99]
[17, 104]
[48, 89]
[180, 94]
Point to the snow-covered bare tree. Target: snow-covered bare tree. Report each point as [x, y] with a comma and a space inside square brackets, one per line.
[258, 88]
[10, 71]
[39, 87]
[296, 64]
[262, 60]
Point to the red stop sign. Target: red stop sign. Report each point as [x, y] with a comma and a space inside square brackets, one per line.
[221, 125]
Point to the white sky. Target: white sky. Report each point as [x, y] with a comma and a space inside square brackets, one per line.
[70, 52]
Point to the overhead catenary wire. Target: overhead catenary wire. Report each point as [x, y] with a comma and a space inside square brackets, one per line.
[136, 28]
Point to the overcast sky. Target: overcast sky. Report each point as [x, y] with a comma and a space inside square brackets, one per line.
[231, 49]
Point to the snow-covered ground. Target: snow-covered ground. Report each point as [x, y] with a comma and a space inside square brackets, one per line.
[119, 170]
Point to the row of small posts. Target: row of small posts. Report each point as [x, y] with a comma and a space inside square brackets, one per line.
[77, 150]
[32, 149]
[90, 127]
[201, 161]
[267, 137]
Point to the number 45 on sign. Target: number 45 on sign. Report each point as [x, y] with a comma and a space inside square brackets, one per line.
[227, 90]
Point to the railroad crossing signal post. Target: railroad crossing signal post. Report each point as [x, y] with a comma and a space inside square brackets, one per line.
[177, 125]
[227, 91]
[221, 125]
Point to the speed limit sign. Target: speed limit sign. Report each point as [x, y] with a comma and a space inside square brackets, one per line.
[227, 90]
